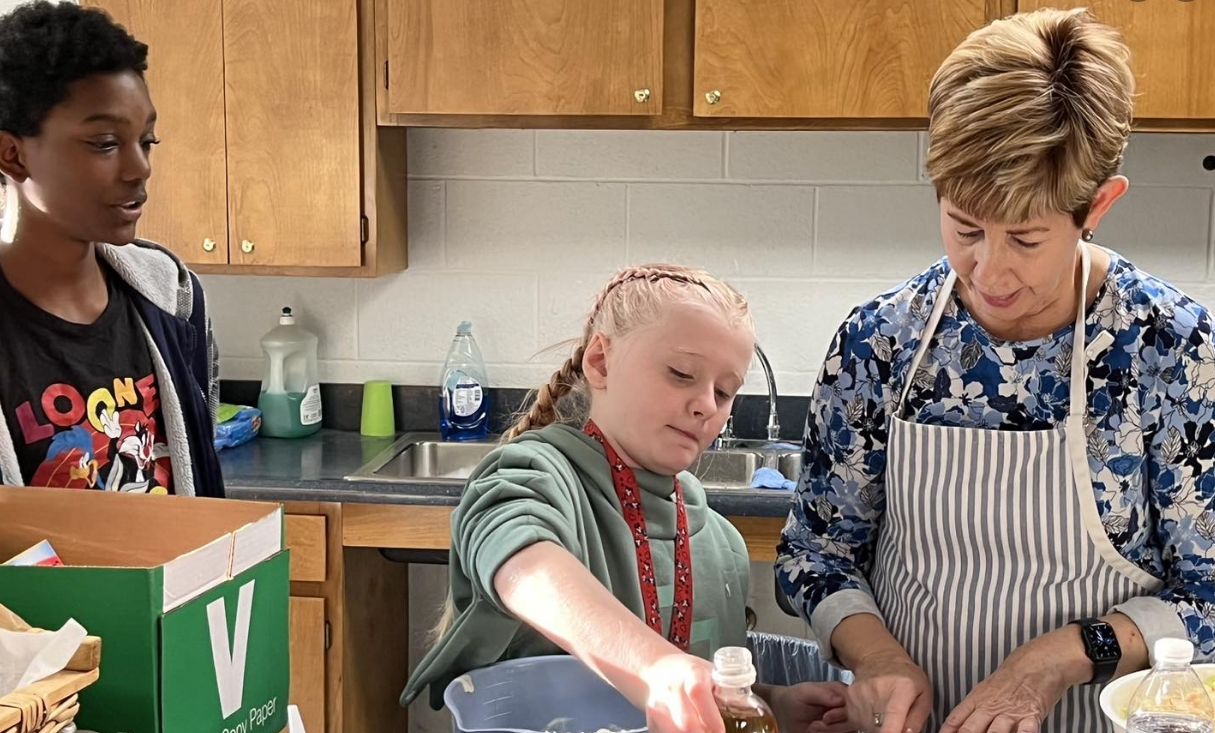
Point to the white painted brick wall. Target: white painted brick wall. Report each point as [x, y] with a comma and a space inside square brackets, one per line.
[517, 229]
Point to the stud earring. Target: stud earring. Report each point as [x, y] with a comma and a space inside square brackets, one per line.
[1087, 235]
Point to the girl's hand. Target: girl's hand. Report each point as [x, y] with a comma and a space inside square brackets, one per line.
[681, 696]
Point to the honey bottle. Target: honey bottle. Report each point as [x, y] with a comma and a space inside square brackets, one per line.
[742, 710]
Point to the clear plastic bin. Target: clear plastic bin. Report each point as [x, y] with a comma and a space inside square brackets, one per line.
[786, 660]
[555, 694]
[559, 694]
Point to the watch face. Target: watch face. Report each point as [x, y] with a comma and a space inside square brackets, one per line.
[1102, 643]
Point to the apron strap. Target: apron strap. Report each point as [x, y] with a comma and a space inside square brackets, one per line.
[1078, 402]
[930, 328]
[1078, 399]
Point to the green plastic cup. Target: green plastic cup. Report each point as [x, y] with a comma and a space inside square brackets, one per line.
[378, 420]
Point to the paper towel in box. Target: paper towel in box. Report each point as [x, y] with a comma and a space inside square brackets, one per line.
[28, 657]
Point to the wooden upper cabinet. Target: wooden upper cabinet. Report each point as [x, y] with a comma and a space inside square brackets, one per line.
[187, 194]
[524, 57]
[824, 58]
[294, 175]
[1172, 52]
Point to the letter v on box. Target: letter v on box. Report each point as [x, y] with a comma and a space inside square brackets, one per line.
[189, 597]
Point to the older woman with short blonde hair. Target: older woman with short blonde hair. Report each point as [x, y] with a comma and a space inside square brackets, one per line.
[1009, 475]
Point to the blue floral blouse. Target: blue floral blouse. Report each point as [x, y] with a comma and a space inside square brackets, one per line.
[1151, 416]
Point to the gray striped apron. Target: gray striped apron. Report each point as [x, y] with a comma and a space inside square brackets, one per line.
[992, 538]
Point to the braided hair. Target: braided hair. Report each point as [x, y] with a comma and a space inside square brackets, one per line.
[633, 297]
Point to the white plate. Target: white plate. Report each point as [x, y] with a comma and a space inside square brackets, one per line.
[1117, 694]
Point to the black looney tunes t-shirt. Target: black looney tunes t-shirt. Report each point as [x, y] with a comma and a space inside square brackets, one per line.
[81, 401]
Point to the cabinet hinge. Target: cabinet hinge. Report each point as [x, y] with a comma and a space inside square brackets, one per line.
[364, 229]
[328, 640]
[385, 74]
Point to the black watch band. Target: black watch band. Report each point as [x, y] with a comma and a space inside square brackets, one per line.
[1101, 646]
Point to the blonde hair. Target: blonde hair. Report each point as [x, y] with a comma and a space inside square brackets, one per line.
[1030, 115]
[634, 297]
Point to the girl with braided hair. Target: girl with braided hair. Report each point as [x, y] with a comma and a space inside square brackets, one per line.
[585, 534]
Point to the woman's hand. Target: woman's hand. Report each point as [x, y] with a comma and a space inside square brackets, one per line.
[810, 707]
[680, 698]
[1018, 696]
[889, 687]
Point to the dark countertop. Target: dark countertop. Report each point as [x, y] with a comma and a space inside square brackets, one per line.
[314, 469]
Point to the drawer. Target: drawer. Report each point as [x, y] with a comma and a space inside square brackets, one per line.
[306, 538]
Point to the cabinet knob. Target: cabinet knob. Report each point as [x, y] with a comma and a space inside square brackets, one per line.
[246, 246]
[642, 96]
[713, 97]
[208, 245]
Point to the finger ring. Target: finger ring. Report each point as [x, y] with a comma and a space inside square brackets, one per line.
[878, 719]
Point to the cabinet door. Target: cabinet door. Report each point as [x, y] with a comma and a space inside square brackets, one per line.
[308, 661]
[525, 57]
[187, 208]
[292, 91]
[824, 58]
[1172, 51]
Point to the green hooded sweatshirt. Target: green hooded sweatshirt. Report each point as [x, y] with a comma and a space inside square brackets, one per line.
[554, 485]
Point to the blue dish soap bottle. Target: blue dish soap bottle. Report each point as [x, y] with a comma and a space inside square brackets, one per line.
[464, 390]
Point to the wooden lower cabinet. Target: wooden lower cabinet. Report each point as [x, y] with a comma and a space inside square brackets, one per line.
[349, 627]
[308, 637]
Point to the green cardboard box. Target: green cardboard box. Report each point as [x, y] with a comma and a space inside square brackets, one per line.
[189, 597]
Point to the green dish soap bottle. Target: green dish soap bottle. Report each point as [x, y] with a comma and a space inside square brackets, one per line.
[290, 400]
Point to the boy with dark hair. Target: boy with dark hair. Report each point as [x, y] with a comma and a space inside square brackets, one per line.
[108, 369]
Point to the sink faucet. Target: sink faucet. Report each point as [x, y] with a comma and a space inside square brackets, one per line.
[773, 421]
[726, 438]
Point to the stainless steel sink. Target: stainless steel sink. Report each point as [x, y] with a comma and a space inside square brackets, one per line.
[790, 464]
[427, 458]
[732, 468]
[436, 460]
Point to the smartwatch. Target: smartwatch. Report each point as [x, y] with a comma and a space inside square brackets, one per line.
[1101, 646]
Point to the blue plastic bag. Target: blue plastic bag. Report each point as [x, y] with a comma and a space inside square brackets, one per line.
[238, 425]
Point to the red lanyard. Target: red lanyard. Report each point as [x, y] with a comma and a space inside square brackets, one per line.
[629, 494]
